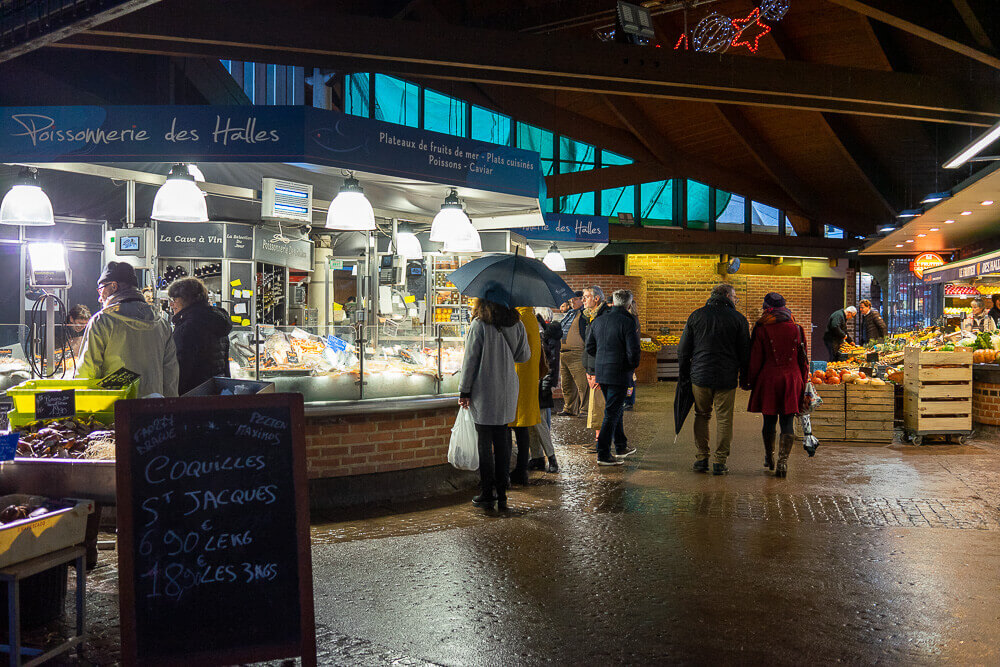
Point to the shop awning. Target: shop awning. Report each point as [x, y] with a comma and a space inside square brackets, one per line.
[966, 269]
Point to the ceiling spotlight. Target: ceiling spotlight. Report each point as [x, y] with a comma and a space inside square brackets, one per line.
[935, 229]
[949, 222]
[179, 199]
[350, 210]
[920, 236]
[26, 204]
[966, 212]
[450, 220]
[986, 202]
[885, 229]
[935, 197]
[909, 240]
[909, 213]
[554, 259]
[851, 251]
[899, 245]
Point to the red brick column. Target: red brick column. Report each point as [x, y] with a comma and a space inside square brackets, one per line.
[986, 403]
[362, 444]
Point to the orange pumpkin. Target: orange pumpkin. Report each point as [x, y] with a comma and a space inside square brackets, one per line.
[833, 380]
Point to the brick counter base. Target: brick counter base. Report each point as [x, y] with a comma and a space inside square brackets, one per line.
[364, 444]
[986, 403]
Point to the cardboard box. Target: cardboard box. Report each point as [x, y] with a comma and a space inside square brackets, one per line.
[215, 387]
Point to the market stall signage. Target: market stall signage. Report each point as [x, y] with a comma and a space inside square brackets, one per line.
[569, 227]
[924, 261]
[239, 242]
[213, 530]
[55, 404]
[988, 264]
[295, 134]
[186, 239]
[277, 247]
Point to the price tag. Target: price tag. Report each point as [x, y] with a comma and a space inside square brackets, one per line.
[55, 404]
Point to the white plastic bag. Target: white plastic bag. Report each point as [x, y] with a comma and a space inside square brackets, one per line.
[463, 450]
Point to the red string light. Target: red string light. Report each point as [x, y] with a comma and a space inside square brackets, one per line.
[743, 24]
[682, 40]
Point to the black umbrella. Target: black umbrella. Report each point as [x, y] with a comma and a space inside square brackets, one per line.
[683, 402]
[513, 280]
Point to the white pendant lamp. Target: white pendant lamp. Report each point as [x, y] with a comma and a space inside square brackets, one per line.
[26, 204]
[554, 259]
[179, 199]
[350, 210]
[450, 220]
[528, 252]
[407, 243]
[464, 239]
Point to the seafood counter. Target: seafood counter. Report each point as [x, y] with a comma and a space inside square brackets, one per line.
[335, 365]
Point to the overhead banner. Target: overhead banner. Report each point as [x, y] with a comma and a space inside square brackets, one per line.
[570, 228]
[988, 264]
[293, 134]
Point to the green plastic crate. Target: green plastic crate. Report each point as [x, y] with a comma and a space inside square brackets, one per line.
[90, 398]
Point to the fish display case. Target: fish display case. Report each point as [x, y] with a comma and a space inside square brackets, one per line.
[340, 363]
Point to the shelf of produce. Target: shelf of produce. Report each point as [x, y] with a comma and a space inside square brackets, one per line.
[938, 392]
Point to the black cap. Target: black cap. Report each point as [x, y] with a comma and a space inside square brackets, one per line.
[774, 300]
[118, 272]
[578, 294]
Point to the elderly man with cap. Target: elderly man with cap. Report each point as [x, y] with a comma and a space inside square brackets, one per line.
[128, 333]
[571, 373]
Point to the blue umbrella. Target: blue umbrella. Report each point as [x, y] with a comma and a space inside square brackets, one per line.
[513, 280]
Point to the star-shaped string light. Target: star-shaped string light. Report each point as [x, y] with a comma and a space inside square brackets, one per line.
[753, 23]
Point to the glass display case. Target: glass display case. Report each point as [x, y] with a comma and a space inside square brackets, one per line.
[326, 364]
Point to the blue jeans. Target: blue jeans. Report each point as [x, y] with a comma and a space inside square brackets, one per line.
[613, 425]
[630, 400]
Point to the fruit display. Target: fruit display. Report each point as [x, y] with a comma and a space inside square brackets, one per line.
[668, 340]
[950, 310]
[650, 345]
[851, 349]
[78, 438]
[985, 356]
[960, 290]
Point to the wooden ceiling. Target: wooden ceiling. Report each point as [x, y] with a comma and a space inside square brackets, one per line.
[843, 116]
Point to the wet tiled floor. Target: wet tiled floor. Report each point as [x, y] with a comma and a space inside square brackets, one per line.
[864, 554]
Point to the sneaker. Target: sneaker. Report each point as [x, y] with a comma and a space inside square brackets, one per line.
[610, 461]
[700, 465]
[565, 414]
[622, 453]
[483, 501]
[591, 448]
[719, 469]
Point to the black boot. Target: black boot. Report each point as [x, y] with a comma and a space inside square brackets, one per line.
[518, 476]
[553, 466]
[537, 463]
[785, 443]
[485, 501]
[769, 450]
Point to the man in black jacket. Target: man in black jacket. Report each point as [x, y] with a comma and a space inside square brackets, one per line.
[714, 353]
[837, 331]
[873, 327]
[613, 343]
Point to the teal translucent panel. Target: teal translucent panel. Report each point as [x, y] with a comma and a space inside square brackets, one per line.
[490, 126]
[698, 211]
[831, 232]
[581, 204]
[356, 94]
[396, 101]
[618, 200]
[444, 114]
[789, 230]
[608, 158]
[656, 203]
[575, 155]
[765, 218]
[733, 213]
[534, 138]
[548, 167]
[547, 205]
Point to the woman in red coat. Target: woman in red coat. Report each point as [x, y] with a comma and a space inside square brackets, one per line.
[778, 371]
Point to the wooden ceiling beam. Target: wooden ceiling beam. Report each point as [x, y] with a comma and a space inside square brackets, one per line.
[899, 15]
[266, 31]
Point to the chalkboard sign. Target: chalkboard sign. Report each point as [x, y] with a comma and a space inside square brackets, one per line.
[213, 529]
[120, 379]
[55, 404]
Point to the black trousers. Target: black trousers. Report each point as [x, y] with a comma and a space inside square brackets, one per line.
[494, 460]
[833, 347]
[771, 422]
[523, 439]
[613, 424]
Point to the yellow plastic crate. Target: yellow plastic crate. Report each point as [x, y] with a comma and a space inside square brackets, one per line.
[89, 397]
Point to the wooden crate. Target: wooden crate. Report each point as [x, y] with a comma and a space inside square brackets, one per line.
[828, 418]
[870, 412]
[937, 391]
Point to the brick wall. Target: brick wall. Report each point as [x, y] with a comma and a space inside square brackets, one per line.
[986, 403]
[675, 285]
[610, 283]
[362, 444]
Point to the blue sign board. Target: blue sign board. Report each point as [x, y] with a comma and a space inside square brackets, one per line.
[569, 227]
[988, 264]
[293, 134]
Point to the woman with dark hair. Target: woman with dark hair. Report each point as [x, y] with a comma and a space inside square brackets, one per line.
[201, 334]
[76, 322]
[778, 370]
[489, 388]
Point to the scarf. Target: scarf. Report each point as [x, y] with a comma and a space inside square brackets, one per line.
[775, 316]
[125, 294]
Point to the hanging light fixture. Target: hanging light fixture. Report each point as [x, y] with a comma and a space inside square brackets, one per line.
[554, 259]
[464, 239]
[528, 252]
[26, 204]
[350, 210]
[450, 220]
[407, 243]
[179, 199]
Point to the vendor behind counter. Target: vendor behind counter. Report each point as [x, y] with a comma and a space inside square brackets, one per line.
[979, 319]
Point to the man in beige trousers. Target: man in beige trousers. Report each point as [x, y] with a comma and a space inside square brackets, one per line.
[571, 374]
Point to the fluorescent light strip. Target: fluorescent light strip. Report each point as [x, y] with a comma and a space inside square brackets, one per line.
[974, 148]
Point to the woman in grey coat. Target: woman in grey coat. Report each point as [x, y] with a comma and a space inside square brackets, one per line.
[489, 387]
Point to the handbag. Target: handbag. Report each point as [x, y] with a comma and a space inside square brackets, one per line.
[463, 448]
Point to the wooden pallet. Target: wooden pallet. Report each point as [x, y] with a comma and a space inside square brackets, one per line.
[937, 395]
